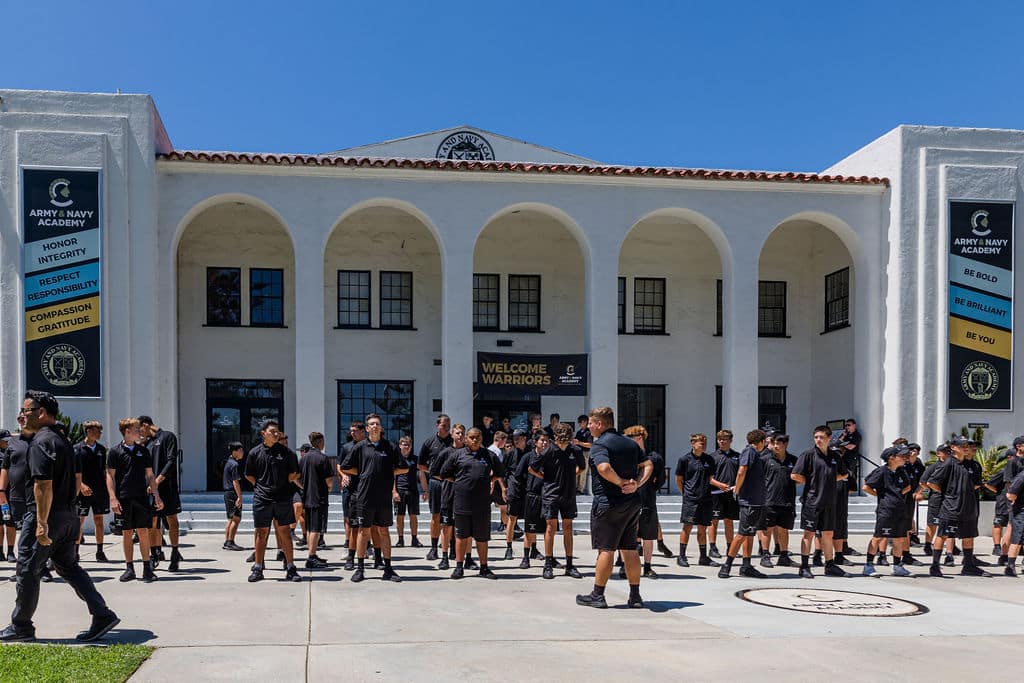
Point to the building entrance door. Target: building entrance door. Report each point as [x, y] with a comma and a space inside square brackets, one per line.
[518, 412]
[235, 408]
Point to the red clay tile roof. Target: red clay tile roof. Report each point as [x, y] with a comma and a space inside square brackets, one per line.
[511, 167]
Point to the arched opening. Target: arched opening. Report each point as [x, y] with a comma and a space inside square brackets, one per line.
[236, 333]
[382, 307]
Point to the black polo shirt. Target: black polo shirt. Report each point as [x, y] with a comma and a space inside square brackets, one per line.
[649, 492]
[913, 470]
[163, 446]
[753, 491]
[559, 470]
[472, 472]
[696, 472]
[727, 464]
[16, 464]
[926, 477]
[820, 471]
[314, 471]
[129, 463]
[1016, 487]
[958, 484]
[51, 458]
[625, 457]
[408, 482]
[780, 489]
[432, 448]
[888, 485]
[271, 466]
[1014, 466]
[232, 473]
[376, 464]
[92, 463]
[515, 476]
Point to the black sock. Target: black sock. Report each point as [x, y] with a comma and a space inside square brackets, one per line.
[830, 563]
[130, 565]
[936, 556]
[387, 563]
[647, 566]
[549, 561]
[805, 561]
[634, 591]
[360, 562]
[703, 551]
[483, 567]
[509, 546]
[969, 556]
[682, 550]
[783, 553]
[99, 546]
[817, 554]
[460, 564]
[526, 552]
[1011, 561]
[568, 561]
[839, 557]
[598, 591]
[469, 557]
[869, 558]
[433, 543]
[746, 561]
[897, 560]
[351, 553]
[761, 550]
[729, 559]
[377, 555]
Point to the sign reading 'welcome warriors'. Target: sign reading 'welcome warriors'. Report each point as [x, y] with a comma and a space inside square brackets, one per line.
[562, 375]
[980, 306]
[61, 231]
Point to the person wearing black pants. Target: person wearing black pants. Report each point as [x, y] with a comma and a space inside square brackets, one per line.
[50, 526]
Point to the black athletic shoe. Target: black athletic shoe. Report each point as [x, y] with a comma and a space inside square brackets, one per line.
[805, 573]
[148, 575]
[784, 561]
[256, 574]
[292, 574]
[10, 556]
[555, 563]
[101, 556]
[981, 563]
[927, 550]
[766, 561]
[971, 570]
[231, 545]
[12, 635]
[358, 576]
[400, 543]
[315, 562]
[1009, 570]
[682, 561]
[956, 550]
[913, 561]
[723, 573]
[707, 562]
[713, 552]
[935, 571]
[591, 600]
[350, 564]
[636, 602]
[852, 552]
[509, 555]
[160, 554]
[487, 574]
[251, 558]
[1001, 562]
[525, 564]
[321, 543]
[391, 575]
[948, 560]
[836, 570]
[458, 572]
[501, 528]
[816, 561]
[573, 572]
[46, 576]
[536, 554]
[915, 540]
[100, 627]
[176, 559]
[997, 550]
[416, 543]
[299, 542]
[517, 535]
[648, 574]
[432, 555]
[443, 564]
[378, 564]
[471, 564]
[549, 572]
[128, 575]
[663, 549]
[753, 573]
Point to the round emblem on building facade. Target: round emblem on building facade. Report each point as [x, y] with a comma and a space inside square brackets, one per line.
[839, 603]
[63, 365]
[979, 380]
[465, 146]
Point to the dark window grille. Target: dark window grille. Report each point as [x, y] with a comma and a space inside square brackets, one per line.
[771, 308]
[644, 404]
[718, 309]
[524, 303]
[393, 401]
[837, 300]
[266, 297]
[353, 298]
[648, 305]
[485, 301]
[224, 297]
[622, 305]
[395, 299]
[771, 407]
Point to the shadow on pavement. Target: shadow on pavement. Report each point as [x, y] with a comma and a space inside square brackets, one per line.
[130, 636]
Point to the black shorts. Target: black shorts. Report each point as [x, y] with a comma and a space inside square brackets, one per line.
[476, 526]
[647, 528]
[172, 504]
[699, 513]
[782, 516]
[316, 519]
[910, 507]
[724, 506]
[751, 520]
[1017, 532]
[434, 496]
[136, 513]
[346, 497]
[823, 519]
[97, 505]
[934, 509]
[408, 504]
[615, 528]
[1000, 520]
[365, 515]
[957, 529]
[264, 513]
[533, 517]
[230, 508]
[841, 528]
[890, 527]
[496, 497]
[564, 508]
[515, 507]
[18, 509]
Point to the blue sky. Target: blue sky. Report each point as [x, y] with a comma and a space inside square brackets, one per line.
[793, 86]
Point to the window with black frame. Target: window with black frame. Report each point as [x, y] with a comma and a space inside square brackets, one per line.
[392, 400]
[622, 305]
[524, 303]
[837, 300]
[771, 407]
[771, 308]
[485, 302]
[266, 297]
[718, 309]
[648, 305]
[644, 404]
[353, 298]
[395, 299]
[223, 297]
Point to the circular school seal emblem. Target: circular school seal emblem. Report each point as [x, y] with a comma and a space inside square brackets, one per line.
[465, 146]
[979, 380]
[63, 365]
[839, 603]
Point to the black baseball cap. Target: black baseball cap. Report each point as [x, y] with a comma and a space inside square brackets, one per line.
[889, 452]
[518, 431]
[961, 441]
[1018, 441]
[914, 447]
[943, 448]
[4, 435]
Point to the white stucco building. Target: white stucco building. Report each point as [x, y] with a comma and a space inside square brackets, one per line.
[236, 286]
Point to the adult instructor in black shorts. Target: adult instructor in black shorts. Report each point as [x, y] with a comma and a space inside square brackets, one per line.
[619, 468]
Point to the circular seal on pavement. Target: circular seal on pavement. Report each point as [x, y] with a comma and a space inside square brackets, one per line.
[842, 603]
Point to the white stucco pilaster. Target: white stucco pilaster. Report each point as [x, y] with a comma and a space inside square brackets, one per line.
[740, 343]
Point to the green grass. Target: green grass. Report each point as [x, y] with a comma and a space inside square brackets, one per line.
[54, 663]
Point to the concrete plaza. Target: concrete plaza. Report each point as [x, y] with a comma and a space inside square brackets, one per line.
[208, 623]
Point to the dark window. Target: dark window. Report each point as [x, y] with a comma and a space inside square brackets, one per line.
[391, 400]
[648, 305]
[524, 303]
[266, 297]
[235, 410]
[837, 300]
[644, 404]
[353, 298]
[771, 308]
[718, 406]
[485, 301]
[395, 299]
[771, 407]
[718, 309]
[224, 296]
[622, 305]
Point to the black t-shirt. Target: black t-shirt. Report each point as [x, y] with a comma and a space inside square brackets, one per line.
[727, 464]
[376, 465]
[315, 470]
[780, 488]
[163, 446]
[432, 448]
[271, 468]
[515, 476]
[472, 472]
[926, 476]
[16, 464]
[996, 481]
[1014, 466]
[129, 463]
[753, 492]
[855, 438]
[625, 458]
[487, 434]
[1016, 487]
[820, 471]
[409, 481]
[584, 435]
[958, 482]
[913, 470]
[92, 463]
[51, 458]
[649, 492]
[888, 485]
[532, 485]
[696, 473]
[232, 473]
[559, 470]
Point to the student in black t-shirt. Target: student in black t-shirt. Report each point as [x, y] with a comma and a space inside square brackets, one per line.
[446, 496]
[356, 433]
[163, 447]
[407, 495]
[515, 488]
[430, 450]
[93, 497]
[751, 493]
[376, 461]
[648, 527]
[272, 469]
[232, 486]
[780, 508]
[958, 480]
[557, 468]
[723, 497]
[487, 429]
[582, 440]
[471, 471]
[533, 503]
[13, 474]
[1015, 495]
[913, 468]
[890, 484]
[819, 468]
[129, 481]
[693, 479]
[317, 478]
